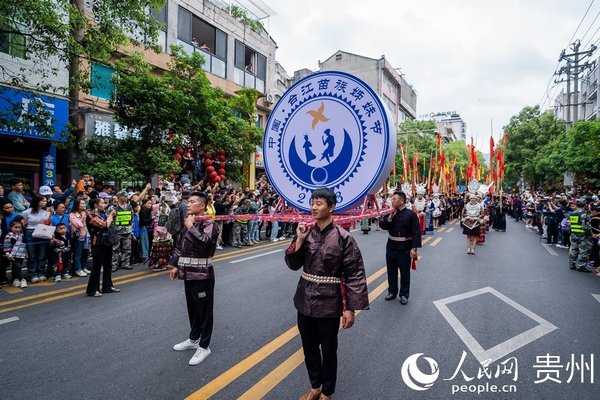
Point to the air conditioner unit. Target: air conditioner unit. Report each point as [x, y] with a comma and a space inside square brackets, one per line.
[270, 99]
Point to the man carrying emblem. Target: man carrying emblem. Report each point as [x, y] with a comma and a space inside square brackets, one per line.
[332, 285]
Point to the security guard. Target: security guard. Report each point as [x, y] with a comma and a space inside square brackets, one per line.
[124, 226]
[581, 237]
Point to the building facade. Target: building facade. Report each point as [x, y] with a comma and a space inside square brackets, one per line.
[236, 57]
[26, 151]
[449, 123]
[590, 106]
[399, 96]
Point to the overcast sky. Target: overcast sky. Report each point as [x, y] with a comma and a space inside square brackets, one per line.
[484, 59]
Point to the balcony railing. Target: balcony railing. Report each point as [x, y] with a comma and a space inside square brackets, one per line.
[212, 64]
[248, 79]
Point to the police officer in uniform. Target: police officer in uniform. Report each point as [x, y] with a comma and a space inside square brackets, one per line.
[581, 237]
[403, 240]
[124, 226]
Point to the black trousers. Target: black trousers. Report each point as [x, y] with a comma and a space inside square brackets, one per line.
[319, 342]
[199, 296]
[102, 259]
[398, 259]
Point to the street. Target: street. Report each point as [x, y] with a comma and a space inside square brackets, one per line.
[514, 302]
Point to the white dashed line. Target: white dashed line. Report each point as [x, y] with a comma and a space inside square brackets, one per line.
[7, 320]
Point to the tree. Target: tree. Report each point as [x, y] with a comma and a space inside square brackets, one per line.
[62, 34]
[529, 132]
[177, 108]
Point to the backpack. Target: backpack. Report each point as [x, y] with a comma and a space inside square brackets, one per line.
[175, 221]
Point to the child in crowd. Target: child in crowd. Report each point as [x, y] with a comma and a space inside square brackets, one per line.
[15, 252]
[135, 234]
[565, 227]
[61, 253]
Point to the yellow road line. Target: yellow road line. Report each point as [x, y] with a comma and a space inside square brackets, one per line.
[436, 241]
[117, 279]
[427, 239]
[78, 293]
[266, 384]
[442, 229]
[258, 356]
[68, 289]
[450, 230]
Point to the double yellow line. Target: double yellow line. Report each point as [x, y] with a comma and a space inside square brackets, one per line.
[72, 291]
[268, 382]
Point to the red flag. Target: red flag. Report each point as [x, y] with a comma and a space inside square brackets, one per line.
[439, 139]
[491, 152]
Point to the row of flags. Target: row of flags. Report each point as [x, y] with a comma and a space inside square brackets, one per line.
[444, 172]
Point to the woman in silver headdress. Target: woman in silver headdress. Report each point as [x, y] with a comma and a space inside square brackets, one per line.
[471, 220]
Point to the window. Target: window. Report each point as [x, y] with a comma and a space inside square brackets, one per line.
[195, 34]
[250, 67]
[161, 16]
[11, 41]
[101, 79]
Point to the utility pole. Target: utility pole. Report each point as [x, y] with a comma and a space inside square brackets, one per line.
[572, 70]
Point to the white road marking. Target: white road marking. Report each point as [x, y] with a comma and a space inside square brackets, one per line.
[504, 348]
[7, 320]
[450, 230]
[549, 249]
[597, 297]
[255, 256]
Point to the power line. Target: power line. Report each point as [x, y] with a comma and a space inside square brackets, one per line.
[544, 96]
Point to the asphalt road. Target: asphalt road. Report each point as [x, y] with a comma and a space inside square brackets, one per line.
[515, 302]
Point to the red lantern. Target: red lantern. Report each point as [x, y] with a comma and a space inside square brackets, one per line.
[223, 177]
[207, 156]
[210, 169]
[221, 165]
[208, 163]
[179, 150]
[221, 171]
[221, 152]
[217, 179]
[213, 175]
[221, 158]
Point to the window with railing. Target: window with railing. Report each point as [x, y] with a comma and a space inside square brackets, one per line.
[195, 34]
[250, 67]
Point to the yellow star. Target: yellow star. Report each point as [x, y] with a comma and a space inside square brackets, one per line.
[318, 115]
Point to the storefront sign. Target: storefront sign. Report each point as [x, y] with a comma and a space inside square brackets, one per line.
[49, 167]
[103, 125]
[329, 130]
[19, 106]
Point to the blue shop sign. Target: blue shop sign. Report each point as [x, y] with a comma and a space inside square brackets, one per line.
[15, 104]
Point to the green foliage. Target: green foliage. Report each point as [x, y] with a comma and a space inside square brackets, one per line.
[533, 150]
[59, 34]
[242, 16]
[181, 107]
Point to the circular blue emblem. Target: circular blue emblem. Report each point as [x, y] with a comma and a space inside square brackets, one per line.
[328, 130]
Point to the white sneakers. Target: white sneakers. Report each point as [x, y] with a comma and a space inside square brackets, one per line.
[23, 283]
[35, 279]
[42, 278]
[57, 278]
[80, 273]
[200, 354]
[186, 345]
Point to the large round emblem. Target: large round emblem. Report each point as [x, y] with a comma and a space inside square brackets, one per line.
[329, 130]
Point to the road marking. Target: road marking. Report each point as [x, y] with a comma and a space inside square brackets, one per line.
[597, 297]
[261, 354]
[495, 353]
[7, 320]
[12, 290]
[272, 379]
[549, 249]
[255, 256]
[450, 230]
[436, 241]
[441, 229]
[427, 239]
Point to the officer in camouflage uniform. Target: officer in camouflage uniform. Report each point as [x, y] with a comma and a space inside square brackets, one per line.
[581, 237]
[124, 226]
